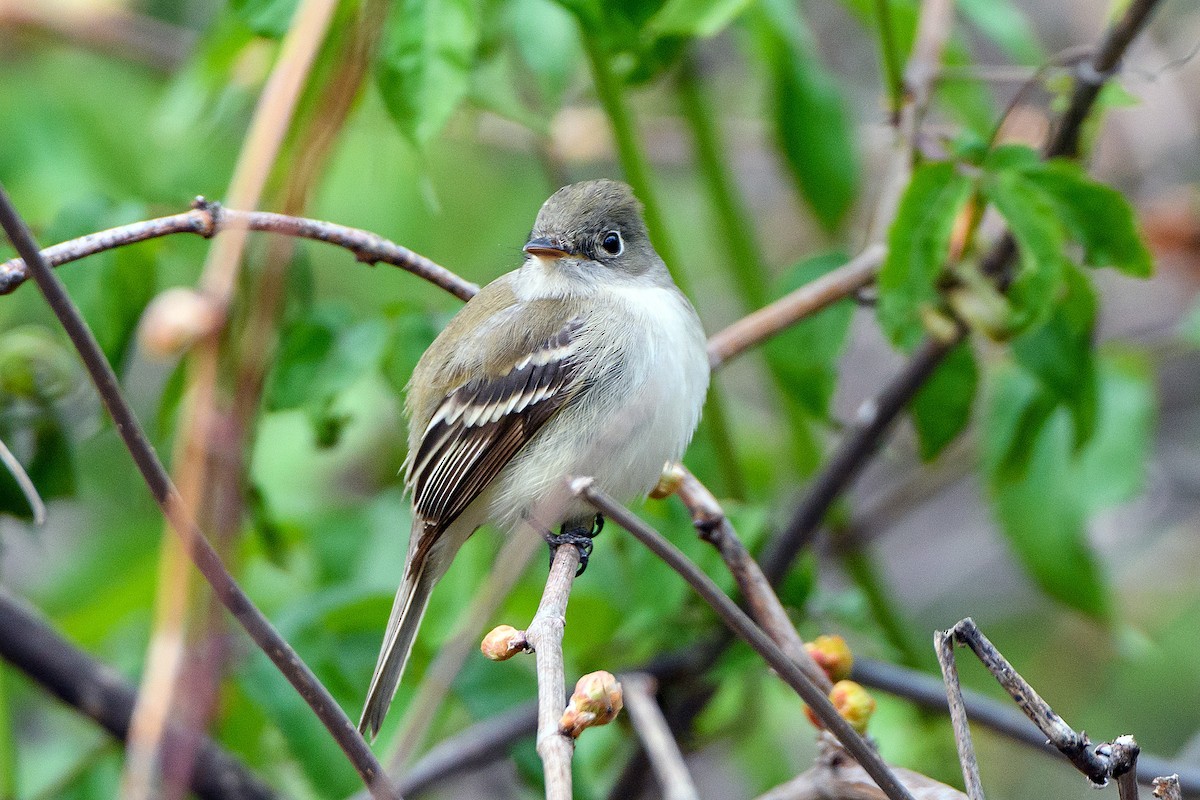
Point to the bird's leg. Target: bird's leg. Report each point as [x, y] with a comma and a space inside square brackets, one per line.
[573, 532]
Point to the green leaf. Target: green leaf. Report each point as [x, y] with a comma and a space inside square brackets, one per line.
[942, 408]
[1006, 26]
[812, 121]
[425, 70]
[552, 67]
[1097, 216]
[1043, 510]
[805, 355]
[270, 18]
[918, 242]
[695, 18]
[1059, 354]
[1040, 238]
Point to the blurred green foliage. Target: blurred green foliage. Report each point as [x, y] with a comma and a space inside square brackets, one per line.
[1063, 429]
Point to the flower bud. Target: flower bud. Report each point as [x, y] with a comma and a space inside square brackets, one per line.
[832, 654]
[503, 642]
[597, 701]
[854, 703]
[174, 321]
[669, 482]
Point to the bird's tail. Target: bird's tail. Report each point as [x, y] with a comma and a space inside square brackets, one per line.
[408, 609]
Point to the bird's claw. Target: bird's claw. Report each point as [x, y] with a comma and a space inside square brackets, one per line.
[581, 538]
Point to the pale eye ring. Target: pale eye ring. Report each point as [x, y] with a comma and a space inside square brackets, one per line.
[612, 243]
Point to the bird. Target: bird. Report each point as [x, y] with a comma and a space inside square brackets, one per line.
[586, 360]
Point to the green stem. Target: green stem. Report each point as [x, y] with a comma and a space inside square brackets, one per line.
[891, 59]
[637, 173]
[745, 262]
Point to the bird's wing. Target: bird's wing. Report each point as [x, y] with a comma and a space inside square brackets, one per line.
[478, 427]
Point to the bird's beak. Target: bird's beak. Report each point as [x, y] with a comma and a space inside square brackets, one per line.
[547, 247]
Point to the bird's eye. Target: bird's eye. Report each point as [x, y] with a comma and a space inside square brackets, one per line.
[612, 243]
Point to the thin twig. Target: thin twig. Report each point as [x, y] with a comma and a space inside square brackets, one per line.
[545, 634]
[10, 462]
[810, 298]
[744, 627]
[943, 645]
[652, 729]
[29, 643]
[764, 605]
[1099, 764]
[231, 595]
[208, 218]
[928, 692]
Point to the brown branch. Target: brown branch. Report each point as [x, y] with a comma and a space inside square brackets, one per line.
[1099, 764]
[764, 605]
[208, 218]
[231, 595]
[29, 643]
[660, 745]
[748, 631]
[810, 298]
[928, 692]
[544, 635]
[943, 645]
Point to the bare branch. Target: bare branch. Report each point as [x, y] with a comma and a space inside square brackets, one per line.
[745, 628]
[810, 298]
[545, 635]
[944, 646]
[714, 527]
[928, 692]
[1099, 764]
[30, 644]
[159, 482]
[661, 748]
[208, 218]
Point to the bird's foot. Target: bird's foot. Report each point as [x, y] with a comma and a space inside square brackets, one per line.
[581, 538]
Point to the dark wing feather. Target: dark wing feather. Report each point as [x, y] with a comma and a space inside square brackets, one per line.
[481, 425]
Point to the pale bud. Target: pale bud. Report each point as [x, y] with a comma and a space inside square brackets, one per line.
[669, 482]
[597, 701]
[503, 642]
[174, 321]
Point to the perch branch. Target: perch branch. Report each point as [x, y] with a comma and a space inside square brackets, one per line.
[231, 595]
[208, 218]
[544, 635]
[660, 745]
[747, 630]
[31, 645]
[1099, 764]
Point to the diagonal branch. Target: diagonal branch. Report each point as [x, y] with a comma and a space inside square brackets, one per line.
[29, 643]
[749, 632]
[207, 219]
[227, 590]
[660, 745]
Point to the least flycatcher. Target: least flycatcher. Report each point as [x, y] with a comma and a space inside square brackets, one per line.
[587, 360]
